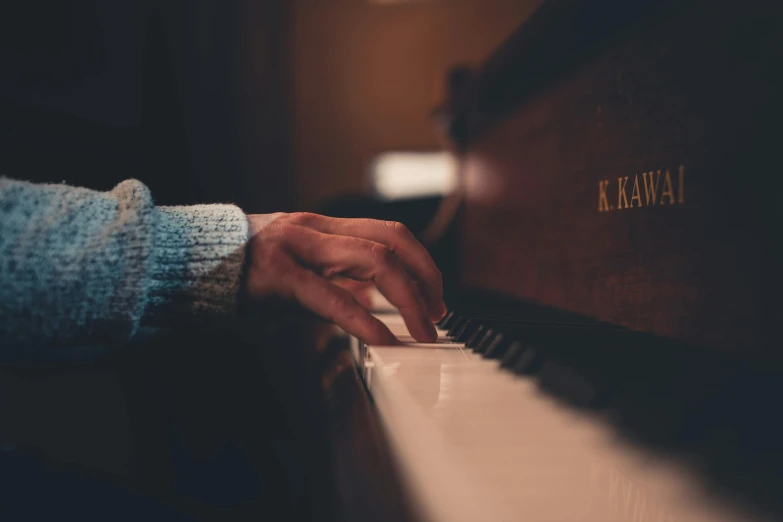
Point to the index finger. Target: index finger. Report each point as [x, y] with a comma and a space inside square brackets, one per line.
[403, 244]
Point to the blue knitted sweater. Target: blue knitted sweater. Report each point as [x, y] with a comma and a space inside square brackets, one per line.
[80, 266]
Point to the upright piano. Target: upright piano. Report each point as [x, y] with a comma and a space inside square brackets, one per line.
[611, 350]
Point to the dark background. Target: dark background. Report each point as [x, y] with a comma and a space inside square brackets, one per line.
[97, 92]
[273, 105]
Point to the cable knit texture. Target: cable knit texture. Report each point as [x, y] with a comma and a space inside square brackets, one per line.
[79, 266]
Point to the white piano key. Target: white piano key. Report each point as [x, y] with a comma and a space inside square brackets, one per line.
[475, 442]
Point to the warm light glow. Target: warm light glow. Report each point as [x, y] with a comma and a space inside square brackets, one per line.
[398, 175]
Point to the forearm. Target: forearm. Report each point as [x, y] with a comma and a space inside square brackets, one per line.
[78, 265]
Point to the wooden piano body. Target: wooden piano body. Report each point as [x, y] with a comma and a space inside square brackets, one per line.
[619, 161]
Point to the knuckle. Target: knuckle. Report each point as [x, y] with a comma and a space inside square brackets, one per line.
[399, 228]
[302, 218]
[382, 255]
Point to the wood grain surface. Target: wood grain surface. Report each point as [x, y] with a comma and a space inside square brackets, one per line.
[691, 90]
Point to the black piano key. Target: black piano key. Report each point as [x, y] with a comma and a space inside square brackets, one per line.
[568, 383]
[445, 319]
[449, 320]
[509, 358]
[459, 329]
[485, 341]
[498, 347]
[476, 338]
[457, 326]
[529, 361]
[467, 331]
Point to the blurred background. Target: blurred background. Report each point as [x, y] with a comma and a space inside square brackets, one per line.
[275, 105]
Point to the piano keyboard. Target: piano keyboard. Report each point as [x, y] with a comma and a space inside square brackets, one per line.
[475, 442]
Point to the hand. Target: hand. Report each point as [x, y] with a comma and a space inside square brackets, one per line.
[299, 256]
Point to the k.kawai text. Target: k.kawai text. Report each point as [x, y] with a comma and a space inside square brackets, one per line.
[648, 189]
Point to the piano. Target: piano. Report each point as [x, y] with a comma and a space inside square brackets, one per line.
[611, 351]
[611, 267]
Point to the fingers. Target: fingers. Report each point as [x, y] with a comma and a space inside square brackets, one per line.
[361, 290]
[366, 260]
[337, 305]
[399, 240]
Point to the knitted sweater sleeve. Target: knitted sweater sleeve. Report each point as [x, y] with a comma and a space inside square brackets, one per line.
[83, 266]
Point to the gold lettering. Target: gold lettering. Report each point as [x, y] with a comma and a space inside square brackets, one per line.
[657, 191]
[603, 203]
[668, 190]
[621, 195]
[681, 191]
[651, 187]
[635, 194]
